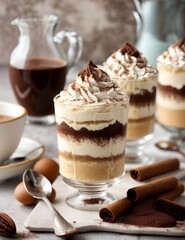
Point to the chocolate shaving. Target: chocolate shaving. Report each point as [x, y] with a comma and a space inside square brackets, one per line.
[90, 68]
[130, 50]
[93, 70]
[180, 43]
[88, 71]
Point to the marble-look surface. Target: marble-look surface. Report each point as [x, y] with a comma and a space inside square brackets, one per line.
[103, 24]
[19, 212]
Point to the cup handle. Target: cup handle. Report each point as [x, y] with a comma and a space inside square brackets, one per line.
[75, 45]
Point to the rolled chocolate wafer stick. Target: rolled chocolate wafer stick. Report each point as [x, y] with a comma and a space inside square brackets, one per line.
[171, 208]
[115, 210]
[155, 169]
[152, 188]
[170, 195]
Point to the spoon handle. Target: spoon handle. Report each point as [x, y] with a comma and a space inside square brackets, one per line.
[181, 152]
[61, 226]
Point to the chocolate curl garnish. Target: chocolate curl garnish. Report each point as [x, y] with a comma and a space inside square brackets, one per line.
[82, 74]
[130, 50]
[90, 68]
[180, 43]
[96, 72]
[88, 71]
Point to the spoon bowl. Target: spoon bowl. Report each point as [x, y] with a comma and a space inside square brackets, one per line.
[21, 157]
[40, 187]
[169, 146]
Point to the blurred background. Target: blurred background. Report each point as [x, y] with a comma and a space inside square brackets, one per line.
[103, 24]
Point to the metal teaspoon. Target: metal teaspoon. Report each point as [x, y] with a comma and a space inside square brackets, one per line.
[40, 187]
[21, 158]
[169, 146]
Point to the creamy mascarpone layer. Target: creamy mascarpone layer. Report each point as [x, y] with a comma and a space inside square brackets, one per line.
[92, 117]
[169, 76]
[88, 148]
[136, 112]
[136, 87]
[169, 102]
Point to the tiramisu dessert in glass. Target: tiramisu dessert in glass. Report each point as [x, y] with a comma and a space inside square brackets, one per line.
[131, 71]
[91, 117]
[170, 102]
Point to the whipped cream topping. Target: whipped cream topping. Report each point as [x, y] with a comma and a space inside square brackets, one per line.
[92, 85]
[174, 56]
[128, 63]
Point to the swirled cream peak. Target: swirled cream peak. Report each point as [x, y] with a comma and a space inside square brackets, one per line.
[92, 85]
[174, 56]
[128, 63]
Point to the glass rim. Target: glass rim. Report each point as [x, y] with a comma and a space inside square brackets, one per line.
[51, 18]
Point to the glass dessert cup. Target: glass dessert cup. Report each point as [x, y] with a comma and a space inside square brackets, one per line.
[139, 136]
[176, 135]
[141, 118]
[170, 102]
[91, 143]
[135, 150]
[91, 195]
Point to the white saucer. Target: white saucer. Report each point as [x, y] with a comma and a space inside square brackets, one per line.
[17, 168]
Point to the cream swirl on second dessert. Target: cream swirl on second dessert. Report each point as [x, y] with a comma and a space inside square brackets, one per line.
[92, 86]
[171, 65]
[174, 56]
[129, 65]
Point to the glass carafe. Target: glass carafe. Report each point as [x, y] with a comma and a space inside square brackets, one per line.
[163, 24]
[38, 65]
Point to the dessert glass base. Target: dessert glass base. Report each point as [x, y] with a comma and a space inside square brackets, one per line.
[91, 196]
[45, 120]
[177, 135]
[135, 150]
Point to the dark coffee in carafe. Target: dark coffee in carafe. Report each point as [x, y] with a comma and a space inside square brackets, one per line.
[37, 83]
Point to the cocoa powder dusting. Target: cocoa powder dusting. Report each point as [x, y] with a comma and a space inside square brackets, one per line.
[93, 201]
[25, 235]
[146, 214]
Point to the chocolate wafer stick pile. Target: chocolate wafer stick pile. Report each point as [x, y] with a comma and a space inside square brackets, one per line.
[152, 203]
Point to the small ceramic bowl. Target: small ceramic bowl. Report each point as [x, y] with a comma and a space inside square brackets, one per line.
[12, 122]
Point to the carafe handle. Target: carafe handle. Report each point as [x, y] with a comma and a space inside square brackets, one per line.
[138, 18]
[179, 23]
[75, 45]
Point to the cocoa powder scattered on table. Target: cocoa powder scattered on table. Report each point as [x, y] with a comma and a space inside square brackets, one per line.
[146, 214]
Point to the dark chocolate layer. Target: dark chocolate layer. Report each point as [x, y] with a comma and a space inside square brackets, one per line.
[144, 98]
[112, 131]
[171, 91]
